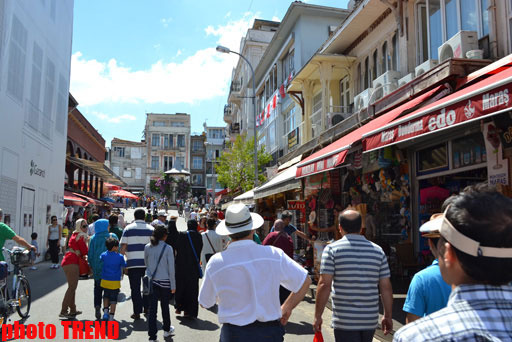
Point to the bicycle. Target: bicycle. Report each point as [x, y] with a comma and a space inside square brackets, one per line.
[21, 299]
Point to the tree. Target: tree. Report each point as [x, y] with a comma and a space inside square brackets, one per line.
[236, 167]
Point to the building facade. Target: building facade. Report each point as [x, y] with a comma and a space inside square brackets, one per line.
[35, 58]
[167, 143]
[128, 160]
[238, 113]
[215, 138]
[198, 164]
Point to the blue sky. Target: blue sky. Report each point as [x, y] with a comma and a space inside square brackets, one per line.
[132, 57]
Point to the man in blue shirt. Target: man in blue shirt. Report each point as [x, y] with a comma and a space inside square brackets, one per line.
[289, 228]
[428, 291]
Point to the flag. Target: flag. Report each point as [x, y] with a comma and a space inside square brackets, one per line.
[274, 102]
[268, 111]
[281, 91]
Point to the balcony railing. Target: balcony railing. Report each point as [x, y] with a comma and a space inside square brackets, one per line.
[234, 128]
[228, 113]
[235, 86]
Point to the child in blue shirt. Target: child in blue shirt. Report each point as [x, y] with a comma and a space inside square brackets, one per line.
[34, 254]
[113, 264]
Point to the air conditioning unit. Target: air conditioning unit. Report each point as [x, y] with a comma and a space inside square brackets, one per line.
[458, 45]
[425, 66]
[361, 99]
[335, 118]
[406, 79]
[385, 84]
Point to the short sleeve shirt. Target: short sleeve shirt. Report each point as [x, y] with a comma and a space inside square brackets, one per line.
[289, 229]
[357, 265]
[136, 236]
[428, 292]
[6, 233]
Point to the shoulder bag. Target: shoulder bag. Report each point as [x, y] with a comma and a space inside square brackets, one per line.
[195, 254]
[209, 255]
[147, 281]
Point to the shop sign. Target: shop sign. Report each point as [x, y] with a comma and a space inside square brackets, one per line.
[454, 114]
[299, 206]
[35, 171]
[322, 165]
[497, 168]
[293, 137]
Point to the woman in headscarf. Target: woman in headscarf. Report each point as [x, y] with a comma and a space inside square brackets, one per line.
[70, 264]
[187, 267]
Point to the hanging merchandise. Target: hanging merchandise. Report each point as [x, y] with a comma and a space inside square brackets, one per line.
[281, 91]
[274, 101]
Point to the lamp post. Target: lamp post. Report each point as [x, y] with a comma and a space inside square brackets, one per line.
[224, 49]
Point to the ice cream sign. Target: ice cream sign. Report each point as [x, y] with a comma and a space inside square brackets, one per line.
[35, 171]
[454, 113]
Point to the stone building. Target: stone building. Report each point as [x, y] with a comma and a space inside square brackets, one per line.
[128, 160]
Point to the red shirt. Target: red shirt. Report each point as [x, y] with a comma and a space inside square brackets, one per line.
[220, 215]
[282, 241]
[77, 245]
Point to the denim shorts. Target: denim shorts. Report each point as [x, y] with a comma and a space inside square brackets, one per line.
[111, 295]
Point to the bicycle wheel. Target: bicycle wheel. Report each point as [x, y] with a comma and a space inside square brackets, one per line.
[23, 297]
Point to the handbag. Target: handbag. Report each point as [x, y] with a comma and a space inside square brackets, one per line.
[83, 266]
[147, 281]
[209, 255]
[195, 254]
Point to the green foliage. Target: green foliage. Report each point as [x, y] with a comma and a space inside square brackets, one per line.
[236, 167]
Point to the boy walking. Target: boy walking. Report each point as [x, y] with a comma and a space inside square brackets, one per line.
[34, 253]
[113, 264]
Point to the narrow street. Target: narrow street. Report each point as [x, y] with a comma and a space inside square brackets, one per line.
[48, 288]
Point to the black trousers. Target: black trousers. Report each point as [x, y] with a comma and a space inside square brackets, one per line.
[139, 301]
[54, 251]
[161, 294]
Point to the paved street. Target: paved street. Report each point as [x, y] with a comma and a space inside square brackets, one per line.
[49, 286]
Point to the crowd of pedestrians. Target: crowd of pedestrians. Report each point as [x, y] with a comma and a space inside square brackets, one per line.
[465, 295]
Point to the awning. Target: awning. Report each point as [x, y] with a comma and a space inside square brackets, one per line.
[96, 168]
[283, 181]
[123, 194]
[334, 154]
[71, 199]
[90, 200]
[487, 97]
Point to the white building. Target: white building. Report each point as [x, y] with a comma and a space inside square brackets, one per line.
[35, 58]
[215, 137]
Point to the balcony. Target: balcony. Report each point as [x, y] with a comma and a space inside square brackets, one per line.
[228, 113]
[234, 92]
[234, 128]
[235, 86]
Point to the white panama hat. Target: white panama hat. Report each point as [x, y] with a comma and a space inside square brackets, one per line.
[238, 219]
[162, 213]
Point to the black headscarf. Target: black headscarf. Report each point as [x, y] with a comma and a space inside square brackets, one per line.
[192, 225]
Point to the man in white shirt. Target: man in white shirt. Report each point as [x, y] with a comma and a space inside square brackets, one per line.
[244, 280]
[90, 229]
[193, 214]
[212, 242]
[161, 219]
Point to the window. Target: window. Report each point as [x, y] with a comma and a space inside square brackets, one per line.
[155, 140]
[155, 162]
[395, 57]
[119, 151]
[166, 140]
[35, 85]
[216, 133]
[385, 57]
[136, 153]
[181, 140]
[217, 154]
[180, 163]
[359, 78]
[197, 162]
[197, 145]
[433, 158]
[209, 183]
[167, 163]
[440, 20]
[197, 179]
[138, 173]
[345, 94]
[272, 136]
[127, 173]
[49, 89]
[62, 104]
[375, 63]
[288, 68]
[316, 116]
[366, 84]
[159, 123]
[17, 54]
[177, 124]
[290, 121]
[115, 169]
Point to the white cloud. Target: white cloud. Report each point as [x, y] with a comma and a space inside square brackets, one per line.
[114, 119]
[201, 76]
[157, 46]
[275, 18]
[179, 53]
[165, 21]
[228, 15]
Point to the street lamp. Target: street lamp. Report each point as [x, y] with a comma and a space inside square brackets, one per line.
[224, 49]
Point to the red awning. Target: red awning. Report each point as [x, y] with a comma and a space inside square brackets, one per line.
[71, 199]
[124, 194]
[489, 70]
[334, 154]
[217, 199]
[487, 97]
[89, 199]
[111, 187]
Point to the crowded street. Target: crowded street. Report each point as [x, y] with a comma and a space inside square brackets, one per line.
[48, 287]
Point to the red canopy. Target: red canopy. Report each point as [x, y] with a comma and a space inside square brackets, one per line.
[71, 199]
[111, 187]
[487, 97]
[334, 154]
[124, 194]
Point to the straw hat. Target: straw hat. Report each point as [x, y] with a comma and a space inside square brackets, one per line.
[238, 219]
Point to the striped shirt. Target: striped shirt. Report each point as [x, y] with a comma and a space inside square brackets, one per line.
[357, 265]
[474, 313]
[136, 236]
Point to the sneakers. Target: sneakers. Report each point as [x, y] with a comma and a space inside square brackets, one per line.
[169, 333]
[33, 268]
[97, 312]
[55, 266]
[135, 316]
[111, 317]
[106, 316]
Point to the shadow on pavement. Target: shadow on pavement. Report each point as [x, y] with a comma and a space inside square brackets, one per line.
[302, 328]
[197, 323]
[43, 280]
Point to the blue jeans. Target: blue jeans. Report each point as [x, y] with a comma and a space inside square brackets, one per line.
[353, 335]
[138, 300]
[163, 295]
[252, 333]
[98, 292]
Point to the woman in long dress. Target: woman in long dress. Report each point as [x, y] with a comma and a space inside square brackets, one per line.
[187, 267]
